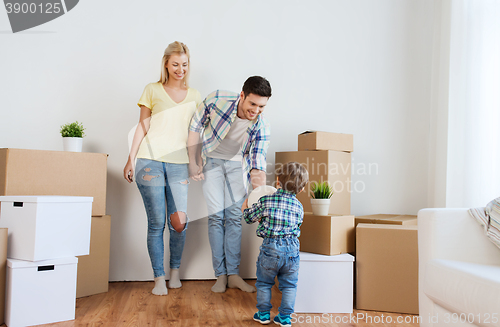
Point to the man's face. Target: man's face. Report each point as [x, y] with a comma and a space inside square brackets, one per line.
[251, 106]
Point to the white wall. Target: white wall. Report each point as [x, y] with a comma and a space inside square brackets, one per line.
[361, 67]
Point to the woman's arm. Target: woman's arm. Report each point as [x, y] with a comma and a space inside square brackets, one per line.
[140, 132]
[194, 154]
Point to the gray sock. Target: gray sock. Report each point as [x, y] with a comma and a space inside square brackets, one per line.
[174, 281]
[235, 281]
[160, 286]
[220, 284]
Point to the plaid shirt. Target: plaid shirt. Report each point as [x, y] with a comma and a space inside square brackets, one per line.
[279, 214]
[214, 117]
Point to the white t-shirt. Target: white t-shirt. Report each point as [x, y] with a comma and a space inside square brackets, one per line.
[230, 147]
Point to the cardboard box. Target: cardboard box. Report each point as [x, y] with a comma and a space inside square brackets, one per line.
[387, 268]
[331, 166]
[40, 292]
[3, 271]
[387, 219]
[39, 172]
[328, 235]
[46, 227]
[93, 269]
[325, 284]
[314, 140]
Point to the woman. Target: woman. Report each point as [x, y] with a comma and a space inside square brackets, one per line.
[162, 162]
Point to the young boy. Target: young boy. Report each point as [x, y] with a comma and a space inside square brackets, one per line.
[279, 215]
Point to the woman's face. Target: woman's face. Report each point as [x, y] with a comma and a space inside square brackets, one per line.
[177, 66]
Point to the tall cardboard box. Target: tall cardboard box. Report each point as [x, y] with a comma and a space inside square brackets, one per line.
[3, 271]
[387, 268]
[331, 166]
[39, 172]
[327, 235]
[387, 219]
[315, 140]
[93, 269]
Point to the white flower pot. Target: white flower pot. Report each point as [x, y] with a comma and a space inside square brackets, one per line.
[72, 144]
[320, 207]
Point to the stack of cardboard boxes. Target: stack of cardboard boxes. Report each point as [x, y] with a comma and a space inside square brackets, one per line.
[326, 239]
[327, 157]
[385, 246]
[38, 173]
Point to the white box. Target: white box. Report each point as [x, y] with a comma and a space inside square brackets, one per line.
[46, 227]
[325, 283]
[40, 292]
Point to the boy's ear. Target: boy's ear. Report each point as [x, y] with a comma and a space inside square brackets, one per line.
[301, 190]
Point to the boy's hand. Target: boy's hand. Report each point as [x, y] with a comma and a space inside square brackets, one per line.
[245, 205]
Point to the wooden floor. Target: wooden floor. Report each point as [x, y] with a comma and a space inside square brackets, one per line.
[132, 304]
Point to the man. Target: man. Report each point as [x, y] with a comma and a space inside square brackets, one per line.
[235, 140]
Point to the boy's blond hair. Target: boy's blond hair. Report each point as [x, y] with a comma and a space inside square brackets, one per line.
[292, 177]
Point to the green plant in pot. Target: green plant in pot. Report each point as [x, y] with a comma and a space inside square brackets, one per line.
[320, 198]
[72, 134]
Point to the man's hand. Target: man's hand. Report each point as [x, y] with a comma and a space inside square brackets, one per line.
[257, 178]
[196, 172]
[245, 205]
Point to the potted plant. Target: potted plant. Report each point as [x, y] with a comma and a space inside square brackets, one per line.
[320, 201]
[72, 134]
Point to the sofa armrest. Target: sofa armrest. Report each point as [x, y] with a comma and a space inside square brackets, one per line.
[449, 234]
[452, 234]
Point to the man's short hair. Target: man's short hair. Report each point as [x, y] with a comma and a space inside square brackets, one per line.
[292, 177]
[257, 85]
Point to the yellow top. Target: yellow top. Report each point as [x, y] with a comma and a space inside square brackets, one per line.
[168, 130]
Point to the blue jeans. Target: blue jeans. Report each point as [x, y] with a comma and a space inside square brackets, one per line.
[164, 190]
[278, 257]
[224, 193]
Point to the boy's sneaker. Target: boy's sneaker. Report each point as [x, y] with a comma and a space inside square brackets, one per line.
[282, 320]
[264, 317]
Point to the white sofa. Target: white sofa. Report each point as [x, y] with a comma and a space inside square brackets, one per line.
[459, 271]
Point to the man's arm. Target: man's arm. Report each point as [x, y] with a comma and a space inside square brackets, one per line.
[198, 122]
[257, 154]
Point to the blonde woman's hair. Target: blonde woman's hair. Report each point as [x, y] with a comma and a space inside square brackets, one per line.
[174, 48]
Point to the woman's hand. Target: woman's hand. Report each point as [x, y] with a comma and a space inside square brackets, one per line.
[196, 172]
[128, 171]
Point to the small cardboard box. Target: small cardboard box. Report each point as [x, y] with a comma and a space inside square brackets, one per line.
[314, 140]
[325, 284]
[327, 235]
[387, 268]
[387, 219]
[331, 166]
[46, 227]
[39, 172]
[93, 269]
[3, 270]
[40, 292]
